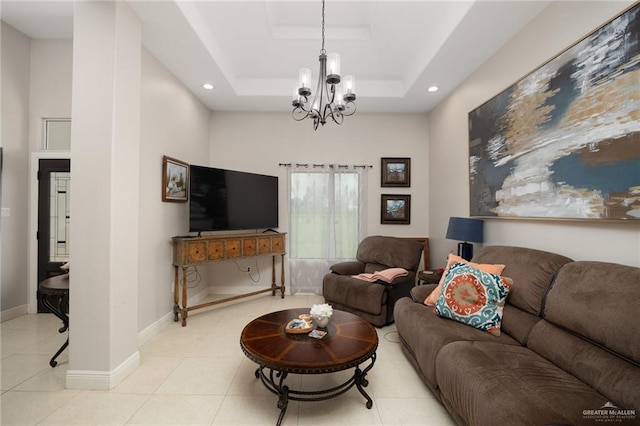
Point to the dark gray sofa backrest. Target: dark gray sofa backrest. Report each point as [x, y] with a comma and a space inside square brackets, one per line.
[531, 271]
[590, 328]
[390, 252]
[599, 301]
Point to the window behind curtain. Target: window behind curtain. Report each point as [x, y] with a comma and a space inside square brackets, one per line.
[326, 220]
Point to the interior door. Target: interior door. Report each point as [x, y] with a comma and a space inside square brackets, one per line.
[54, 180]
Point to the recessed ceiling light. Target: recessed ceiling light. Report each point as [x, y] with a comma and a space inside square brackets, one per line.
[208, 86]
[432, 89]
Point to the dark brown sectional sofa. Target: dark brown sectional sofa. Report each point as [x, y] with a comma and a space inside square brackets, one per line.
[568, 353]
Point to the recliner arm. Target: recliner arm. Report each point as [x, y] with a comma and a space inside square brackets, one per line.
[348, 268]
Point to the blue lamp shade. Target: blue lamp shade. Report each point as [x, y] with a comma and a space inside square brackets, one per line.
[465, 229]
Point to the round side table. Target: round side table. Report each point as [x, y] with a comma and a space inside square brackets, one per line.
[429, 277]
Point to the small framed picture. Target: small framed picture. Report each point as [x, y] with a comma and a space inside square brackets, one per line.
[175, 180]
[396, 172]
[395, 209]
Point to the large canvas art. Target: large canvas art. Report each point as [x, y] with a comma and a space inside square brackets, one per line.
[564, 141]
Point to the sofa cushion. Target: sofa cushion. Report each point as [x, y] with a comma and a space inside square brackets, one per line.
[591, 313]
[424, 334]
[612, 376]
[531, 271]
[473, 297]
[489, 383]
[592, 299]
[355, 293]
[390, 252]
[451, 260]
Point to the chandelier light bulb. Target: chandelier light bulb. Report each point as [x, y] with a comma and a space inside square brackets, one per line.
[297, 101]
[339, 97]
[349, 88]
[304, 82]
[349, 84]
[333, 68]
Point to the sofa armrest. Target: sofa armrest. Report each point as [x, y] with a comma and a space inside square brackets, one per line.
[348, 268]
[419, 293]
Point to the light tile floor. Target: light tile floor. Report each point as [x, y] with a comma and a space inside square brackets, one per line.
[198, 375]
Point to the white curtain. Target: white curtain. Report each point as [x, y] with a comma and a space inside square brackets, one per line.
[326, 219]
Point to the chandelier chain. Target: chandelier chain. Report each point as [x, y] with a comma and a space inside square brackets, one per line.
[322, 50]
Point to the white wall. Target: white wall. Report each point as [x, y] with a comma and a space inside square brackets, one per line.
[556, 28]
[50, 85]
[14, 141]
[174, 123]
[258, 142]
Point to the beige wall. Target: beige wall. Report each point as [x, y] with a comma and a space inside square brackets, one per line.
[174, 123]
[14, 141]
[556, 28]
[258, 142]
[50, 85]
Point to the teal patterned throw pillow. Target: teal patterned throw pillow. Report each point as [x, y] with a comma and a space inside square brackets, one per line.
[473, 297]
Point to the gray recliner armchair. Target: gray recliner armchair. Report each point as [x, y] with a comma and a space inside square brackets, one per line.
[374, 301]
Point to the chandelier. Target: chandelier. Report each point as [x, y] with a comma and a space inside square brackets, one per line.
[334, 97]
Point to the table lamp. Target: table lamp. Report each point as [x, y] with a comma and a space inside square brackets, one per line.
[465, 229]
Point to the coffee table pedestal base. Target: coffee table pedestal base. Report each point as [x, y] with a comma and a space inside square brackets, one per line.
[274, 382]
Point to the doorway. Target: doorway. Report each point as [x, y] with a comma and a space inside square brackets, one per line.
[53, 236]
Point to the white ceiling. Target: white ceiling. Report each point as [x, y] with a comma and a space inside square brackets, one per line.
[251, 51]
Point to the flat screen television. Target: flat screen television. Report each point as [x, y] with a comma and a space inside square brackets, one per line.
[225, 200]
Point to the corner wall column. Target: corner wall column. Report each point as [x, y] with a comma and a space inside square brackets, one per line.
[105, 151]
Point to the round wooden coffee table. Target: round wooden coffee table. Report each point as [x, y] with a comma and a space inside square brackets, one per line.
[350, 342]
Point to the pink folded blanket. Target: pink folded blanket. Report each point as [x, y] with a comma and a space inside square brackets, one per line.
[387, 275]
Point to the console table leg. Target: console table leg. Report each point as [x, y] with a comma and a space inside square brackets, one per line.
[176, 294]
[273, 276]
[282, 288]
[184, 311]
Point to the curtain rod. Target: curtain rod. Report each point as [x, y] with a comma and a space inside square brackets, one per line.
[341, 166]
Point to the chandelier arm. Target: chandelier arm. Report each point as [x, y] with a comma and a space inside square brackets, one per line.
[349, 109]
[299, 114]
[335, 113]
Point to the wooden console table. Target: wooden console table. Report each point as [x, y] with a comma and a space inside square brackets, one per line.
[191, 251]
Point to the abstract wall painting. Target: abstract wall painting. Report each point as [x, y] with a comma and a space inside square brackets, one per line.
[564, 141]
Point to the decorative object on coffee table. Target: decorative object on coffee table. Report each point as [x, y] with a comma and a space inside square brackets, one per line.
[321, 314]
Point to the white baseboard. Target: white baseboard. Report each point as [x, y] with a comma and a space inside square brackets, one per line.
[154, 329]
[235, 289]
[102, 380]
[13, 313]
